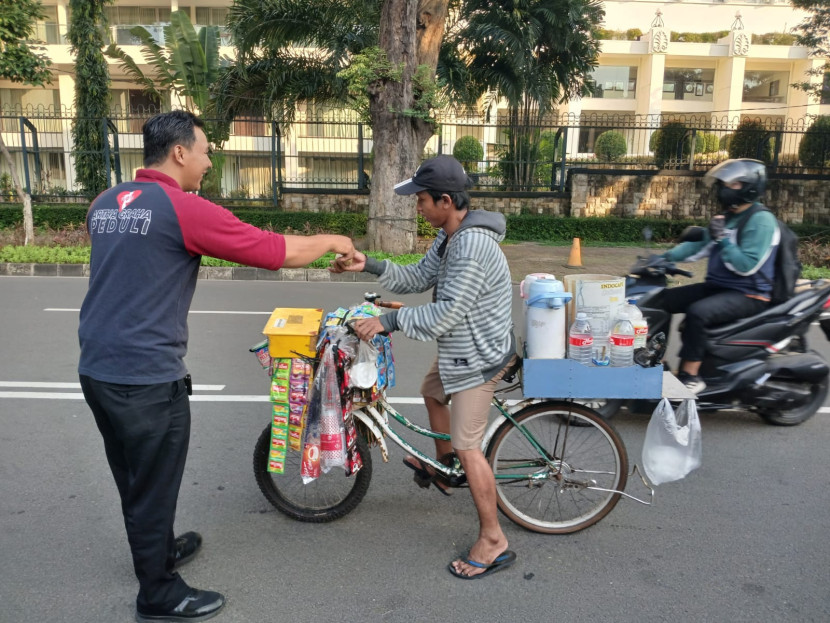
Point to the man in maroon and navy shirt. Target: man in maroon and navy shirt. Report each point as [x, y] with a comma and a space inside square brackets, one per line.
[148, 237]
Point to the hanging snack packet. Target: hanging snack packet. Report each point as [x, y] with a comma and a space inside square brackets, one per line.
[332, 432]
[310, 467]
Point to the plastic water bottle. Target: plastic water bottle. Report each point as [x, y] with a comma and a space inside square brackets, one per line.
[580, 340]
[622, 341]
[639, 322]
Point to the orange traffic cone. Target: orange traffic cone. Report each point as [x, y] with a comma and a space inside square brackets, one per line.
[575, 258]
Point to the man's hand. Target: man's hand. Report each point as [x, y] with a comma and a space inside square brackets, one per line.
[367, 328]
[354, 263]
[716, 227]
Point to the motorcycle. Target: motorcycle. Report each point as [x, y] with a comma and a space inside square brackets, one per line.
[760, 364]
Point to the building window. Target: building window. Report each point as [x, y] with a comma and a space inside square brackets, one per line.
[46, 29]
[691, 84]
[766, 86]
[825, 90]
[613, 82]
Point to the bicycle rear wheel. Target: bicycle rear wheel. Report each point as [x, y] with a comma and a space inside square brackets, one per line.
[329, 497]
[558, 491]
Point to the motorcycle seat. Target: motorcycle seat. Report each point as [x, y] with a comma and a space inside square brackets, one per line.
[782, 309]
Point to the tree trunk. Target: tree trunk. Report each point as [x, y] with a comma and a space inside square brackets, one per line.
[410, 34]
[25, 198]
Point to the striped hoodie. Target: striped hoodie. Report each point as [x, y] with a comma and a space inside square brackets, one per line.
[470, 314]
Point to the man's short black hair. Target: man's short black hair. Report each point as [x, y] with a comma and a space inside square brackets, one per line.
[164, 131]
[461, 199]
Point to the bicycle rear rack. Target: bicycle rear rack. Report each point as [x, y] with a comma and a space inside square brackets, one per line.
[635, 470]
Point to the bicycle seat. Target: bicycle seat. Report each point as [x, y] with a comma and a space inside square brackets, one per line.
[512, 371]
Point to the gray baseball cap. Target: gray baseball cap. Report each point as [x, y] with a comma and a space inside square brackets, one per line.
[441, 174]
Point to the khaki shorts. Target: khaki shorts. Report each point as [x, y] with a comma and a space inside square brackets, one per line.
[469, 409]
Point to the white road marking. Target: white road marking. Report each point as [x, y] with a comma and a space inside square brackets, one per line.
[48, 385]
[193, 398]
[192, 311]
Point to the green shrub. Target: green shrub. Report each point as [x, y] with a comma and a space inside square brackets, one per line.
[724, 142]
[710, 143]
[610, 145]
[652, 141]
[469, 152]
[668, 140]
[814, 150]
[751, 140]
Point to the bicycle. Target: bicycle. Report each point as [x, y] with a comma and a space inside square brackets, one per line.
[559, 466]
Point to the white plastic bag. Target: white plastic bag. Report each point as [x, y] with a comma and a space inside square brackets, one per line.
[672, 448]
[364, 372]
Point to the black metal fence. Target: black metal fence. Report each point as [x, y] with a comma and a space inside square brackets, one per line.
[333, 151]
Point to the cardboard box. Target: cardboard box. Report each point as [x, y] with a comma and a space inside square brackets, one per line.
[292, 330]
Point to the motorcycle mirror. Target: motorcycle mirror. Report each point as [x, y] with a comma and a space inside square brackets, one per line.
[693, 233]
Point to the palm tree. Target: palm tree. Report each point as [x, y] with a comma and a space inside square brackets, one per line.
[533, 54]
[381, 57]
[187, 67]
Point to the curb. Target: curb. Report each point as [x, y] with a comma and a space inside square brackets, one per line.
[235, 273]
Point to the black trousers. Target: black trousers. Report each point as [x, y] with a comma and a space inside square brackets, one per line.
[706, 305]
[146, 431]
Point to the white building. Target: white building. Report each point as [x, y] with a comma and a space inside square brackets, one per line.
[650, 77]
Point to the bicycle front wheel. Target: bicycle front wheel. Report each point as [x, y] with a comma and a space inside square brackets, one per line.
[574, 477]
[329, 497]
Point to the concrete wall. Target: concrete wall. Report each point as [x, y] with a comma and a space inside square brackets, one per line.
[597, 193]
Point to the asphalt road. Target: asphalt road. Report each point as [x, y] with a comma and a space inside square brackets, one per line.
[744, 538]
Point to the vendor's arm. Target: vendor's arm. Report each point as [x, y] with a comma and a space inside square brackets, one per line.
[757, 238]
[395, 278]
[465, 281]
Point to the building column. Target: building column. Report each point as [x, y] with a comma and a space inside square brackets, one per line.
[569, 116]
[727, 100]
[801, 104]
[66, 92]
[650, 76]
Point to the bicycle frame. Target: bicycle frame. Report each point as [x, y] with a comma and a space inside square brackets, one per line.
[376, 420]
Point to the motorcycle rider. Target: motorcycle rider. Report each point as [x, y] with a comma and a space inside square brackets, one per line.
[740, 273]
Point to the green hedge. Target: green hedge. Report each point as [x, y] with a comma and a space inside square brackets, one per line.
[541, 228]
[520, 227]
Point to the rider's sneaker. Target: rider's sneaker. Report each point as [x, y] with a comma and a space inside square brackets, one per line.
[693, 383]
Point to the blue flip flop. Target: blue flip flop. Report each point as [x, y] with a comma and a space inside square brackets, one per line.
[502, 561]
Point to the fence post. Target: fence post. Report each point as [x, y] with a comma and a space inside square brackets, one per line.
[276, 168]
[564, 158]
[776, 149]
[692, 144]
[116, 149]
[106, 137]
[25, 158]
[361, 177]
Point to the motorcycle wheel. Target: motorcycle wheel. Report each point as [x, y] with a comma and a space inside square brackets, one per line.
[607, 408]
[797, 415]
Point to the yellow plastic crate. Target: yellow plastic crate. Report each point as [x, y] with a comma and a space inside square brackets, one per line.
[293, 330]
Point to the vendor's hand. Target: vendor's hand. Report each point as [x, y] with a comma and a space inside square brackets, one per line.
[354, 263]
[716, 227]
[367, 328]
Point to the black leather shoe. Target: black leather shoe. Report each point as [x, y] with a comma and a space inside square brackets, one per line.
[197, 606]
[187, 545]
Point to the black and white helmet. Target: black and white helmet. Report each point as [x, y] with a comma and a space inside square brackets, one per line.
[752, 174]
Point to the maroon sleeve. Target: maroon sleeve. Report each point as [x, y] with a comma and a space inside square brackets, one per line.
[209, 229]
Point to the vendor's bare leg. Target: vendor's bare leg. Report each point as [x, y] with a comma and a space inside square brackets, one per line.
[491, 540]
[439, 422]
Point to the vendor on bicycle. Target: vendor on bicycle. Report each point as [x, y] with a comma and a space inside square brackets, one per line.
[470, 318]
